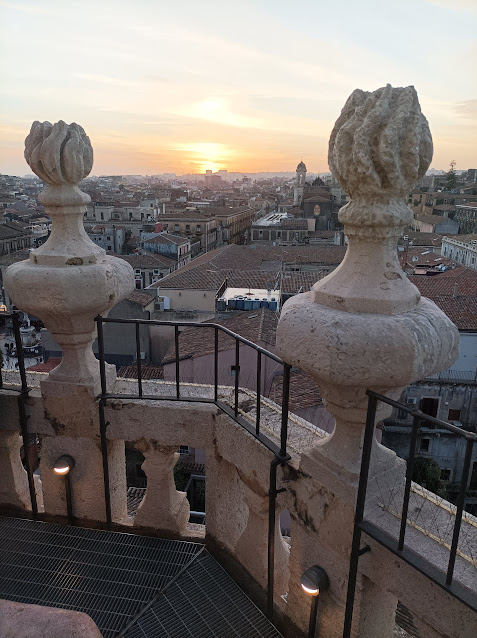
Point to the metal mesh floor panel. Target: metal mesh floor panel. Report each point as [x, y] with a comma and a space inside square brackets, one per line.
[204, 602]
[174, 589]
[110, 576]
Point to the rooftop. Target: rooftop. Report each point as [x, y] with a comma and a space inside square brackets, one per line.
[166, 238]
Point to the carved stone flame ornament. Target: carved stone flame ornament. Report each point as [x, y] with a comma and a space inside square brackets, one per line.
[59, 153]
[381, 144]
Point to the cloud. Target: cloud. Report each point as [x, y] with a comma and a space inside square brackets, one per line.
[105, 79]
[28, 8]
[467, 109]
[467, 6]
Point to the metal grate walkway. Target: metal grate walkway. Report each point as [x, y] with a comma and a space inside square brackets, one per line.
[131, 586]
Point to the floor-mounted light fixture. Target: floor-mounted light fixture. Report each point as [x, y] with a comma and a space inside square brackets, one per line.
[62, 467]
[314, 581]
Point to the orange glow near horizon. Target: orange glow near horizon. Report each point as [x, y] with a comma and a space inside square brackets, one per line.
[207, 155]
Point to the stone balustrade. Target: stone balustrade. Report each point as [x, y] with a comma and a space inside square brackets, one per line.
[364, 326]
[236, 527]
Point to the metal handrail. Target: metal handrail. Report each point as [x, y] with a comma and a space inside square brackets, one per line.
[280, 453]
[23, 417]
[398, 546]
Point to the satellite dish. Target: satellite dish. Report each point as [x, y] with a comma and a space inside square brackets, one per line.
[414, 259]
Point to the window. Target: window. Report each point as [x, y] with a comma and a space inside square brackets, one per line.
[183, 449]
[453, 415]
[401, 415]
[260, 233]
[102, 215]
[109, 247]
[108, 238]
[187, 226]
[176, 227]
[198, 228]
[424, 445]
[429, 405]
[156, 271]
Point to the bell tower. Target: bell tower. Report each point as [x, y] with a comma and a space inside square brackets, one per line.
[300, 184]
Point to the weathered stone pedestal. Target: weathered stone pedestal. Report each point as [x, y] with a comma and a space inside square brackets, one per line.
[363, 327]
[66, 283]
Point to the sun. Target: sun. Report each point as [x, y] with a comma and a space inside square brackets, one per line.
[207, 155]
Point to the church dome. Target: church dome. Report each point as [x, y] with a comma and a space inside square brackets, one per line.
[301, 167]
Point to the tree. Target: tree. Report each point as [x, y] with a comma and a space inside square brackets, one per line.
[426, 472]
[451, 178]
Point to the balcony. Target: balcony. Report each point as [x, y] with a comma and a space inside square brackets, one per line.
[361, 333]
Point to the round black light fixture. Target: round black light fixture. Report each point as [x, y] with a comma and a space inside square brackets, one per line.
[63, 465]
[314, 580]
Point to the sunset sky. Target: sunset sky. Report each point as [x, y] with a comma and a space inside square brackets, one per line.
[162, 86]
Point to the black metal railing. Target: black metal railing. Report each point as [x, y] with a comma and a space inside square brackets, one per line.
[28, 439]
[444, 578]
[280, 454]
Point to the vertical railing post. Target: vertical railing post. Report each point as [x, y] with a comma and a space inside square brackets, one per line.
[26, 450]
[26, 437]
[237, 372]
[138, 359]
[102, 366]
[359, 513]
[285, 404]
[407, 486]
[176, 342]
[259, 392]
[19, 348]
[272, 499]
[216, 364]
[459, 511]
[103, 424]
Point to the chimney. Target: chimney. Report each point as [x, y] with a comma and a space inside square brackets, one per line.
[455, 290]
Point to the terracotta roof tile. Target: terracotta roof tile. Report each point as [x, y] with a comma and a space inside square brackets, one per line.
[148, 261]
[304, 392]
[47, 366]
[165, 238]
[455, 292]
[259, 326]
[141, 297]
[147, 372]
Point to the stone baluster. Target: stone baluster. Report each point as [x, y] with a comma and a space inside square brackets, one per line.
[163, 507]
[14, 490]
[363, 326]
[251, 549]
[66, 283]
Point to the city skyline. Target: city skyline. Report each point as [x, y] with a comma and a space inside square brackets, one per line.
[184, 89]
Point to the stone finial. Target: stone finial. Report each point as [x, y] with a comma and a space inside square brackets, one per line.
[68, 280]
[365, 325]
[381, 144]
[60, 153]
